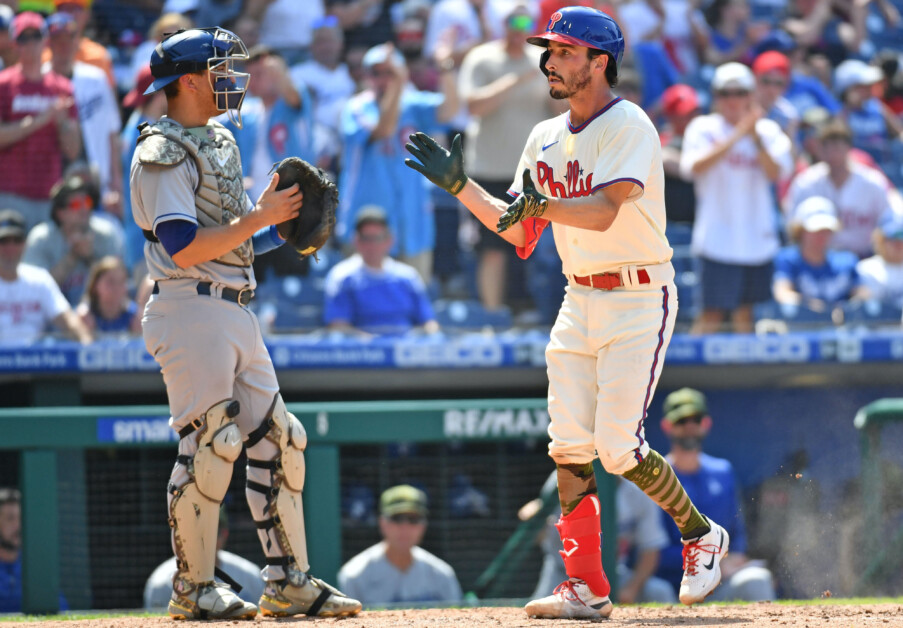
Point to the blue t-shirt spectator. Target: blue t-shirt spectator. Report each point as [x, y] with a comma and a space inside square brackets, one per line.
[831, 282]
[715, 492]
[11, 588]
[373, 172]
[805, 92]
[389, 301]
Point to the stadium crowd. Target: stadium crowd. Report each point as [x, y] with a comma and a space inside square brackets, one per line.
[780, 122]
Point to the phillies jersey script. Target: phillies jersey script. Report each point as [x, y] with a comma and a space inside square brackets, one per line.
[618, 143]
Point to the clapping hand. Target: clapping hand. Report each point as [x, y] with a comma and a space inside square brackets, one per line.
[530, 203]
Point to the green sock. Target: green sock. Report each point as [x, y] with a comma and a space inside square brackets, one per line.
[575, 481]
[657, 479]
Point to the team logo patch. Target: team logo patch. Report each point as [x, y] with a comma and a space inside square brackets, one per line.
[556, 17]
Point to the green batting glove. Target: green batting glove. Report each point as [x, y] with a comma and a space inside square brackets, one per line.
[531, 202]
[444, 168]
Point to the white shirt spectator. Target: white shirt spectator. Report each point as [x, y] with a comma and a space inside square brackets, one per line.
[884, 281]
[860, 202]
[27, 305]
[736, 215]
[640, 23]
[331, 90]
[288, 24]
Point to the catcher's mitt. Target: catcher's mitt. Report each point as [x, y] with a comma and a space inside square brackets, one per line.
[310, 230]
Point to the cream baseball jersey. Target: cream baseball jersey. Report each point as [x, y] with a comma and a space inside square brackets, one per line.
[618, 143]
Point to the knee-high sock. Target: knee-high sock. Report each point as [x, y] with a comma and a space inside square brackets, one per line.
[657, 479]
[575, 481]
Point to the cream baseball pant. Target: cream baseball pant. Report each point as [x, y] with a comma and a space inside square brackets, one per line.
[209, 350]
[604, 359]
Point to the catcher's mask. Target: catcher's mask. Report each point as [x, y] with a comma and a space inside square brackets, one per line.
[198, 49]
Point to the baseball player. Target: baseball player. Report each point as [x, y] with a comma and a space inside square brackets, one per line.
[599, 181]
[202, 231]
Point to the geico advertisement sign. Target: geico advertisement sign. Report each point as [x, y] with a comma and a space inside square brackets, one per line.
[112, 356]
[504, 422]
[756, 350]
[451, 354]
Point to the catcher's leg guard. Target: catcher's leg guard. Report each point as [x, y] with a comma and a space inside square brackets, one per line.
[194, 516]
[280, 520]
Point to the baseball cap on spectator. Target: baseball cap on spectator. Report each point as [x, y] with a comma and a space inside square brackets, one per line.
[402, 499]
[60, 23]
[816, 213]
[684, 403]
[82, 3]
[136, 97]
[28, 20]
[891, 225]
[734, 75]
[771, 61]
[835, 129]
[380, 54]
[180, 6]
[371, 215]
[853, 72]
[12, 224]
[679, 100]
[6, 17]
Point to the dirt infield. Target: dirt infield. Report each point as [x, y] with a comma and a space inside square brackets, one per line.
[747, 616]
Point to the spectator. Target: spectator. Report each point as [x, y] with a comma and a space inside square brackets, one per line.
[145, 108]
[506, 98]
[29, 297]
[372, 293]
[678, 24]
[158, 588]
[73, 239]
[882, 274]
[276, 123]
[10, 555]
[872, 123]
[808, 273]
[641, 537]
[733, 35]
[88, 51]
[166, 23]
[397, 570]
[326, 75]
[38, 124]
[7, 44]
[711, 483]
[375, 126]
[680, 105]
[98, 110]
[859, 193]
[772, 70]
[366, 23]
[286, 26]
[105, 306]
[734, 234]
[891, 85]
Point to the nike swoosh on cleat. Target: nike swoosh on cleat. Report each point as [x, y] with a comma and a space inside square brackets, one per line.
[720, 545]
[552, 144]
[600, 605]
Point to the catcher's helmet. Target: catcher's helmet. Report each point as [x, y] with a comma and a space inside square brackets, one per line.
[199, 49]
[583, 26]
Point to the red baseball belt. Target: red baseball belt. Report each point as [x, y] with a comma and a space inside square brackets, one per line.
[609, 281]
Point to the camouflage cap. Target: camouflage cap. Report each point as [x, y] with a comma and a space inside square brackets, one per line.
[400, 499]
[684, 403]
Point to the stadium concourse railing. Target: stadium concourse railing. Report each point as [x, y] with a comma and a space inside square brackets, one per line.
[42, 435]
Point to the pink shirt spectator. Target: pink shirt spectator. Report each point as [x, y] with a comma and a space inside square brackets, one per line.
[31, 166]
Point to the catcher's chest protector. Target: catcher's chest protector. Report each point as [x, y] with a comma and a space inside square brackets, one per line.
[220, 195]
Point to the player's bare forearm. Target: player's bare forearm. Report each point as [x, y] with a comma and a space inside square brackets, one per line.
[487, 209]
[596, 212]
[212, 242]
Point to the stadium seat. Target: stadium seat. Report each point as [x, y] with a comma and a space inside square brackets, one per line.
[798, 317]
[871, 313]
[470, 314]
[678, 233]
[686, 278]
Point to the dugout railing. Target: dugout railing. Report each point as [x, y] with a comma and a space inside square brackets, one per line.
[49, 442]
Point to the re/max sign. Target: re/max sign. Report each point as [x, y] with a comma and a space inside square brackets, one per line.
[477, 423]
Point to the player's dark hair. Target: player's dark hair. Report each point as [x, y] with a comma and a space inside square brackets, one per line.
[172, 89]
[10, 496]
[611, 70]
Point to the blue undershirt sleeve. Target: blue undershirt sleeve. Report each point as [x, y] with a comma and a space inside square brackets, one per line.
[266, 240]
[176, 234]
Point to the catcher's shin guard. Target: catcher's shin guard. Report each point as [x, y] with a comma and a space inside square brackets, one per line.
[284, 522]
[194, 508]
[581, 538]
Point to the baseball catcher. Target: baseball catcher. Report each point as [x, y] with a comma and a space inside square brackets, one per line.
[310, 230]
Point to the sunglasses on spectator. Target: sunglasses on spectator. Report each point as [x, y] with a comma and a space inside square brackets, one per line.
[689, 419]
[80, 203]
[12, 240]
[373, 238]
[29, 36]
[407, 518]
[732, 93]
[523, 23]
[775, 82]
